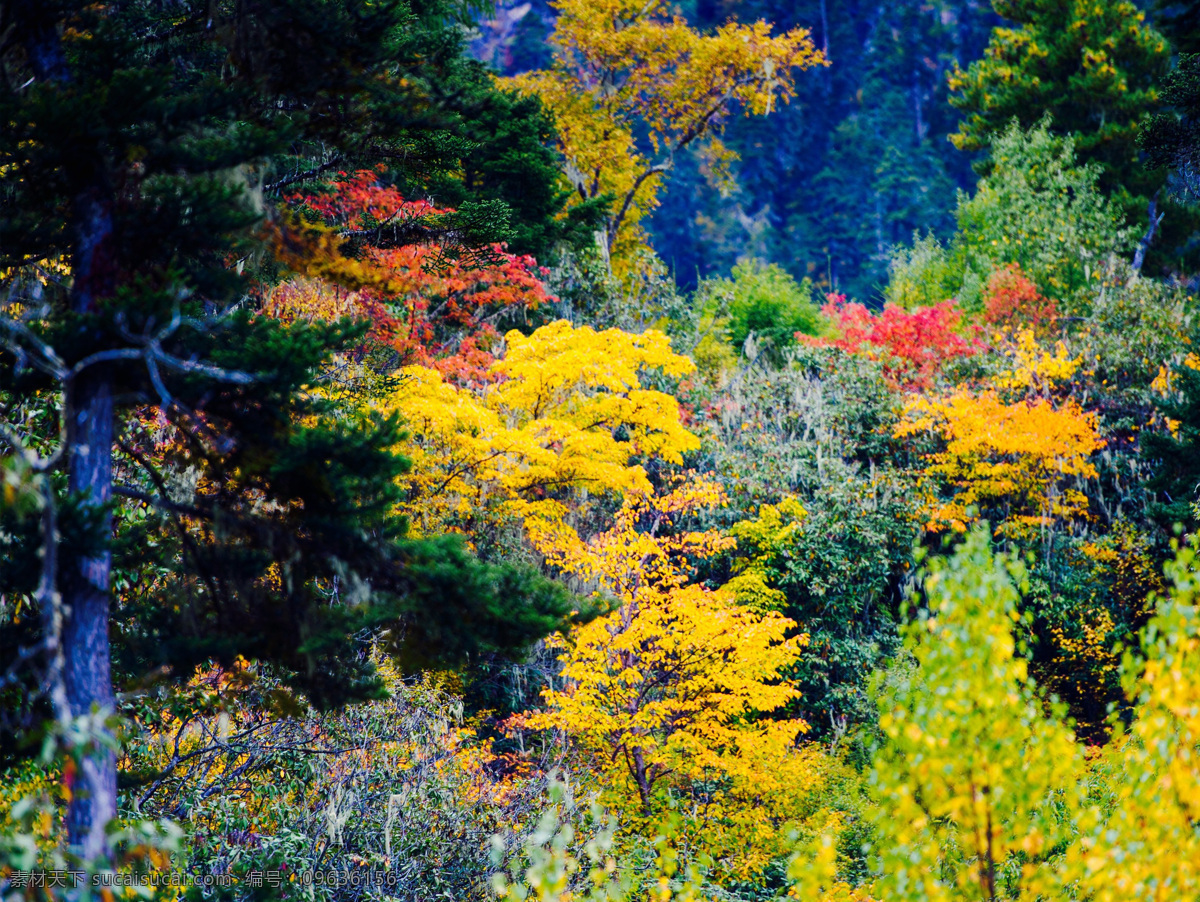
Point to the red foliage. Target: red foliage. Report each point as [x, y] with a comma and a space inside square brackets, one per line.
[432, 309]
[1013, 301]
[913, 344]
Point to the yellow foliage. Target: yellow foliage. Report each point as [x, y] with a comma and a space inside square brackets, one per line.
[566, 413]
[1035, 369]
[982, 792]
[662, 692]
[774, 528]
[1021, 457]
[625, 65]
[1148, 848]
[974, 776]
[1094, 649]
[311, 300]
[1163, 382]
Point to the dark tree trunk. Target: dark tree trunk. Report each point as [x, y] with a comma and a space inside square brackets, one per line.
[86, 570]
[85, 595]
[85, 575]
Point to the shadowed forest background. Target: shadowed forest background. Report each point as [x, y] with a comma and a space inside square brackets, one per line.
[831, 182]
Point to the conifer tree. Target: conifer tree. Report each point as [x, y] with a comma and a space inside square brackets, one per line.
[1095, 68]
[140, 146]
[1172, 139]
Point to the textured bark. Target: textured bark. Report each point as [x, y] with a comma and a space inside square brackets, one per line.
[85, 574]
[87, 571]
[86, 583]
[85, 592]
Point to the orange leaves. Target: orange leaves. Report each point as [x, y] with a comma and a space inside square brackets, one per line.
[914, 344]
[1018, 459]
[1010, 450]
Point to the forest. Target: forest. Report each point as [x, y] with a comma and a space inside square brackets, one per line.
[599, 450]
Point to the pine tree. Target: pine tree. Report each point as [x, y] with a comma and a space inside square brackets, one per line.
[1172, 140]
[140, 147]
[1095, 68]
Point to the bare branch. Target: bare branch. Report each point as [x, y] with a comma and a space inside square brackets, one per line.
[275, 186]
[50, 364]
[104, 357]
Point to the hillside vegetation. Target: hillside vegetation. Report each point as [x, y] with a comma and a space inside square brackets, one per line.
[599, 451]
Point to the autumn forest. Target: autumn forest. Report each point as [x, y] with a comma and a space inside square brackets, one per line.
[599, 450]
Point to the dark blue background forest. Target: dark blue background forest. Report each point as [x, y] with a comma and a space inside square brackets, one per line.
[855, 164]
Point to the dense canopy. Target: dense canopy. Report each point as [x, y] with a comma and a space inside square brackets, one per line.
[592, 450]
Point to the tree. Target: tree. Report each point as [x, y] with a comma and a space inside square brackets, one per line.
[1092, 66]
[664, 691]
[624, 68]
[1172, 139]
[133, 137]
[1041, 209]
[1016, 460]
[1037, 207]
[973, 776]
[428, 304]
[914, 345]
[1012, 451]
[759, 299]
[824, 187]
[564, 417]
[814, 435]
[1147, 843]
[1012, 301]
[982, 792]
[833, 571]
[506, 154]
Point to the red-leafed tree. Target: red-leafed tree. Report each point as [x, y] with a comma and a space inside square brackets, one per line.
[395, 264]
[1013, 301]
[913, 344]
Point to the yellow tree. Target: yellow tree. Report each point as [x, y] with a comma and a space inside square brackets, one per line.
[627, 66]
[982, 793]
[1149, 847]
[1018, 460]
[663, 693]
[563, 413]
[1012, 450]
[975, 789]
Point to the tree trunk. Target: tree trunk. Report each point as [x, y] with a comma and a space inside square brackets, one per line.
[88, 409]
[642, 778]
[85, 575]
[85, 585]
[86, 570]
